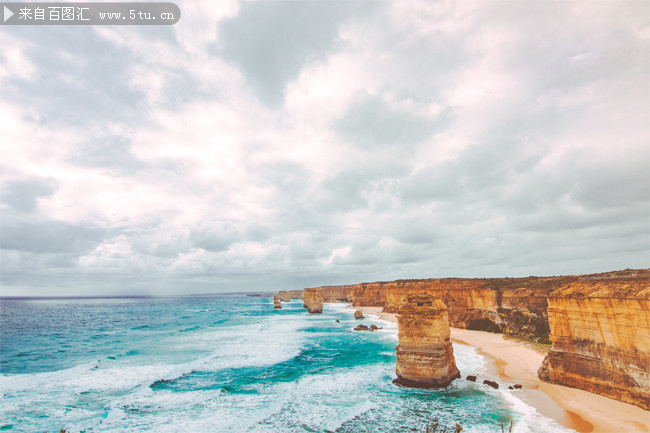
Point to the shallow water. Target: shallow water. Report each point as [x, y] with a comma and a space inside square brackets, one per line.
[225, 364]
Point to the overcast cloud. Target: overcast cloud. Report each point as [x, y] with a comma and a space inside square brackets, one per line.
[264, 145]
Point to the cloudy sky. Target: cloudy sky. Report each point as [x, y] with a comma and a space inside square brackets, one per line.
[263, 145]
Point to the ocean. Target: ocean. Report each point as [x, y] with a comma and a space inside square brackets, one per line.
[226, 363]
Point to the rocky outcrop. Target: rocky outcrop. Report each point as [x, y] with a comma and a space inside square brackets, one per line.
[367, 328]
[515, 306]
[284, 296]
[491, 383]
[599, 323]
[600, 330]
[276, 302]
[313, 300]
[307, 295]
[358, 314]
[425, 357]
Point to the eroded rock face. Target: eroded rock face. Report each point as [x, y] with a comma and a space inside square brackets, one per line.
[600, 330]
[284, 296]
[425, 357]
[276, 302]
[313, 300]
[337, 293]
[514, 306]
[294, 294]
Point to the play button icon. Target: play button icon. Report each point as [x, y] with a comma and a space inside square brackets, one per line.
[8, 13]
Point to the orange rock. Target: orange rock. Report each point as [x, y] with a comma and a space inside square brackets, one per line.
[338, 293]
[496, 305]
[276, 302]
[599, 324]
[425, 357]
[600, 330]
[313, 300]
[514, 306]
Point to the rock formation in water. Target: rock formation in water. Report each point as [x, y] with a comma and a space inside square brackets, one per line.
[284, 296]
[367, 328]
[313, 300]
[358, 314]
[425, 357]
[276, 302]
[600, 330]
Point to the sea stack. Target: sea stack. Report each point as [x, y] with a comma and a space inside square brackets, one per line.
[276, 302]
[284, 296]
[600, 330]
[313, 300]
[425, 357]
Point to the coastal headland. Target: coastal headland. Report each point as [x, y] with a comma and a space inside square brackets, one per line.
[598, 324]
[517, 362]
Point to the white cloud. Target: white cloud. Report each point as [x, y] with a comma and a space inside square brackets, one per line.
[403, 140]
[14, 62]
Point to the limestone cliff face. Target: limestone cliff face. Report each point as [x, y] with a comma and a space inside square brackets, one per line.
[600, 330]
[332, 294]
[425, 357]
[339, 293]
[313, 300]
[294, 294]
[284, 296]
[515, 306]
[276, 302]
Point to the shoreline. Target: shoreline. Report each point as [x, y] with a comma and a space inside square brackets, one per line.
[514, 362]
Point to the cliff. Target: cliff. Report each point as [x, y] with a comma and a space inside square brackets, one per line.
[600, 330]
[294, 294]
[515, 306]
[598, 324]
[338, 293]
[425, 357]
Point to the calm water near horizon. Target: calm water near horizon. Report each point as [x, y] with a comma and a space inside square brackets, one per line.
[226, 363]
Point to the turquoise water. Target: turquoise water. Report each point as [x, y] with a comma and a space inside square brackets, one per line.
[224, 364]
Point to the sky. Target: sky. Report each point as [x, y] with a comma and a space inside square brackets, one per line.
[268, 145]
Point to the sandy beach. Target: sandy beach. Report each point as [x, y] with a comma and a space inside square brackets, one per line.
[514, 362]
